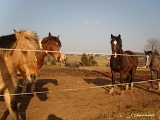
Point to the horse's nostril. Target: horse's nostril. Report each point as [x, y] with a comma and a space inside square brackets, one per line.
[33, 76]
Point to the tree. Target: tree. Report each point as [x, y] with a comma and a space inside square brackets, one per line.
[152, 44]
[156, 52]
[85, 61]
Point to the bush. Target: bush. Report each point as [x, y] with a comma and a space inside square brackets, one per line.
[85, 61]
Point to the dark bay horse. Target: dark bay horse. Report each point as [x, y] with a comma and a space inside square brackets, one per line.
[153, 62]
[123, 62]
[21, 59]
[50, 43]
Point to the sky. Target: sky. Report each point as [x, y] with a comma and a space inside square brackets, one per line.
[85, 26]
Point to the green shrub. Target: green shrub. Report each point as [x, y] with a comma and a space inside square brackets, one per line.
[85, 61]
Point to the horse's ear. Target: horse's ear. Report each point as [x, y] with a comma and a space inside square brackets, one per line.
[49, 35]
[119, 36]
[18, 35]
[58, 36]
[111, 36]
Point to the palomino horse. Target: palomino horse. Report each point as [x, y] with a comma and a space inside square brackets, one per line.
[123, 62]
[21, 59]
[50, 43]
[153, 62]
[63, 59]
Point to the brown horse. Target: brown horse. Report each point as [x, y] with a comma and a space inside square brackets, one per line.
[50, 43]
[123, 62]
[21, 59]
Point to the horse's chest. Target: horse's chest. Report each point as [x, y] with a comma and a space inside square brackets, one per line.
[116, 65]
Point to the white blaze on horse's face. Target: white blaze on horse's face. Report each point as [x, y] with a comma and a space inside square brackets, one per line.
[148, 61]
[115, 43]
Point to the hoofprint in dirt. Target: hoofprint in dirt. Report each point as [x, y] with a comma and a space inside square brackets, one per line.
[76, 94]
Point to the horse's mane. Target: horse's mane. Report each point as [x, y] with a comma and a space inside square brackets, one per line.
[55, 39]
[32, 39]
[10, 41]
[7, 41]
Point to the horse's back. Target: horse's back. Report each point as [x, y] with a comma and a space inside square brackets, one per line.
[133, 58]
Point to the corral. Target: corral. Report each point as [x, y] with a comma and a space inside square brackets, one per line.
[78, 94]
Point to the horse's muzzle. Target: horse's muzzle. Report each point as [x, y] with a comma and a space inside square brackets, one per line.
[32, 78]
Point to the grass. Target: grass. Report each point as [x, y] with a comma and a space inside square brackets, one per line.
[101, 61]
[149, 112]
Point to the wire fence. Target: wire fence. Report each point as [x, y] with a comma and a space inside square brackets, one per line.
[76, 89]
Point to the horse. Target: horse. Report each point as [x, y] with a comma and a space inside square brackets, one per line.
[50, 43]
[123, 62]
[152, 62]
[63, 59]
[17, 58]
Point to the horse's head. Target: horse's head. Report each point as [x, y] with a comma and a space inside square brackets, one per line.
[52, 43]
[25, 60]
[148, 58]
[116, 44]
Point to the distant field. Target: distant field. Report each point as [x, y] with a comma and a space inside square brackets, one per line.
[101, 61]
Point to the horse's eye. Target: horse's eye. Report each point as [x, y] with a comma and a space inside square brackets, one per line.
[24, 52]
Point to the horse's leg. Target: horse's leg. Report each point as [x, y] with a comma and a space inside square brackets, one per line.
[121, 81]
[113, 82]
[33, 87]
[158, 85]
[158, 77]
[11, 104]
[24, 88]
[133, 72]
[61, 63]
[128, 81]
[152, 78]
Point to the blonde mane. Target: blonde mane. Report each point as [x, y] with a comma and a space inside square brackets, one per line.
[10, 41]
[32, 39]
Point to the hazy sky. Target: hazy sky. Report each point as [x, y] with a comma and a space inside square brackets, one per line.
[85, 25]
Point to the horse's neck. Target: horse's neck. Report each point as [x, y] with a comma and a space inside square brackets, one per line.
[40, 59]
[121, 51]
[120, 57]
[41, 56]
[8, 75]
[7, 66]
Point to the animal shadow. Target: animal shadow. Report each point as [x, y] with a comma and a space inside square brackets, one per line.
[23, 102]
[99, 82]
[53, 117]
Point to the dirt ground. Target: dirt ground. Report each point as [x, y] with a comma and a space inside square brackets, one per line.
[76, 94]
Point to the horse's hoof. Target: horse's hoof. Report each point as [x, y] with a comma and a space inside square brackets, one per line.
[111, 92]
[131, 88]
[127, 87]
[122, 92]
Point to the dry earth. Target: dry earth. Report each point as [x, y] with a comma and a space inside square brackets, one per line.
[75, 94]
